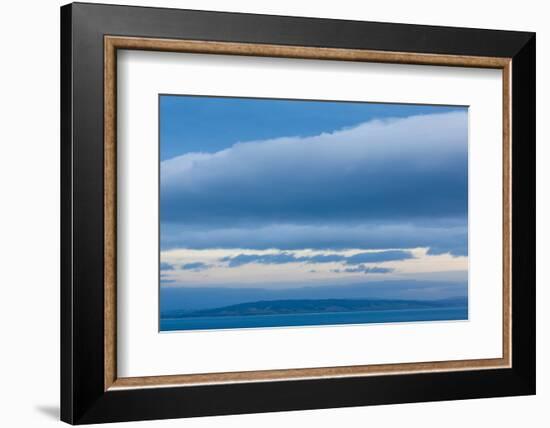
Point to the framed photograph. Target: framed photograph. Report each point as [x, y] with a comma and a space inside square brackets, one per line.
[266, 213]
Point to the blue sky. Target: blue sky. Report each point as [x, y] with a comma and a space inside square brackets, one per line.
[210, 124]
[279, 193]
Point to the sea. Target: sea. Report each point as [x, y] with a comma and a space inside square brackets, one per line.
[314, 319]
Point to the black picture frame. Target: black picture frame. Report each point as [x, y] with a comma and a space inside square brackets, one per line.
[83, 396]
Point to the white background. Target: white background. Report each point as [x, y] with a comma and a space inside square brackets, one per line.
[142, 351]
[29, 230]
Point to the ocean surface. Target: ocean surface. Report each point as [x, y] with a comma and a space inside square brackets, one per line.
[325, 318]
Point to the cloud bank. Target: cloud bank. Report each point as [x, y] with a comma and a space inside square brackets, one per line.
[398, 183]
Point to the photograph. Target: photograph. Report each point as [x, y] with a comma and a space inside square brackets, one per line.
[290, 212]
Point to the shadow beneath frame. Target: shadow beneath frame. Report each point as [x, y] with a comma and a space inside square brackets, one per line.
[51, 411]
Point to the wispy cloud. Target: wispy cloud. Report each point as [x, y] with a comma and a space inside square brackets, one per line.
[166, 266]
[286, 257]
[244, 267]
[195, 266]
[378, 256]
[266, 259]
[366, 269]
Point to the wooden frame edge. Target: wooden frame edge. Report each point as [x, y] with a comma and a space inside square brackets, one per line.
[301, 52]
[507, 213]
[308, 373]
[110, 213]
[112, 43]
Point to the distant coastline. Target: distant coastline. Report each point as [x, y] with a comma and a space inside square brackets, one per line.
[317, 319]
[307, 306]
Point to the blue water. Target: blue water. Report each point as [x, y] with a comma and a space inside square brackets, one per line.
[326, 318]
